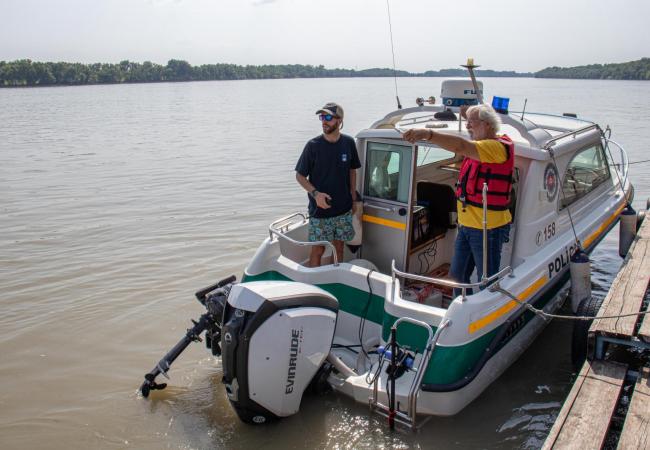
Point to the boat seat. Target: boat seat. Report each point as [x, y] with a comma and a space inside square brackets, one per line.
[440, 201]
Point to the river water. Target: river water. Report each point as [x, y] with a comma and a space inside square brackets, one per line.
[118, 202]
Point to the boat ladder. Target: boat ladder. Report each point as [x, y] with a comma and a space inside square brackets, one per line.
[408, 417]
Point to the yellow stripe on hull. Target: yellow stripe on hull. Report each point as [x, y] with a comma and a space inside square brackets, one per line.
[601, 229]
[494, 315]
[384, 222]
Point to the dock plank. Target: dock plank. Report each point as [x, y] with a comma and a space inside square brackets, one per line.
[636, 430]
[627, 291]
[587, 411]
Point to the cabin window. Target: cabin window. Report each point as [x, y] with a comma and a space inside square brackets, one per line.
[586, 171]
[429, 155]
[387, 171]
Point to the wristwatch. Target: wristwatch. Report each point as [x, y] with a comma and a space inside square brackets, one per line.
[313, 193]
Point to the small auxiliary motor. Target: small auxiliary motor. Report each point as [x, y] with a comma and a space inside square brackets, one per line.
[273, 337]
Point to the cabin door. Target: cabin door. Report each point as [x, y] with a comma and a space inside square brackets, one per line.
[387, 190]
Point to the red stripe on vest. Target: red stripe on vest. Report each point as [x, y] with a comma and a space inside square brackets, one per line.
[473, 173]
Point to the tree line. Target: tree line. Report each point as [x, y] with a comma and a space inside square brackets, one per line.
[633, 70]
[25, 72]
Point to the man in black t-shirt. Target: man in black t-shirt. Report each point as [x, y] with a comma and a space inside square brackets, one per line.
[327, 171]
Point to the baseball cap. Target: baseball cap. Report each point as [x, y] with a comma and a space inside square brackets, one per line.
[331, 108]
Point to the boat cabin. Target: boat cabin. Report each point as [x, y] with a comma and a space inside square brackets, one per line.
[408, 190]
[562, 172]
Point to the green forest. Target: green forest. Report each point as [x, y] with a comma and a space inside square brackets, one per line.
[633, 70]
[25, 72]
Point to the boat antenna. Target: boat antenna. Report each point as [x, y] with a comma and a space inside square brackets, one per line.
[392, 49]
[524, 111]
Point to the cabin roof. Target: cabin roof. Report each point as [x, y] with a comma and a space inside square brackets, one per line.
[536, 131]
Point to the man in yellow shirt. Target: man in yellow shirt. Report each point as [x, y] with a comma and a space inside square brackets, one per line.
[488, 159]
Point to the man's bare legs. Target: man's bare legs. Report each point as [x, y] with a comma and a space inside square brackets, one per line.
[315, 255]
[318, 250]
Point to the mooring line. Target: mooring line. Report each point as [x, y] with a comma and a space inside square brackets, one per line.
[544, 314]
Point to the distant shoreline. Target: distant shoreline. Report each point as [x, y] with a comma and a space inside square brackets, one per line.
[27, 73]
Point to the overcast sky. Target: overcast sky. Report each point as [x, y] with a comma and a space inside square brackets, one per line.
[522, 35]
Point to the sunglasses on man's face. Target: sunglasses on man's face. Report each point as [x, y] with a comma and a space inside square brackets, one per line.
[326, 117]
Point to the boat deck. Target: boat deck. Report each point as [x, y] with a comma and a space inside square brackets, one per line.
[587, 416]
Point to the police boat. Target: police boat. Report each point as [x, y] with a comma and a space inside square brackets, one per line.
[383, 325]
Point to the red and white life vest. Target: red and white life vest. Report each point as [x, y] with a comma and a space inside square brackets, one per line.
[473, 173]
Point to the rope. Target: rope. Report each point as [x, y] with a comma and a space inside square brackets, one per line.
[632, 162]
[545, 315]
[637, 162]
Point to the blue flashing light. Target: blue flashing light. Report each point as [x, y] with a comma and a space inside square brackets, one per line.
[500, 104]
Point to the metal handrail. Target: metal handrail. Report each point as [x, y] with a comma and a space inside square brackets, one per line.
[625, 164]
[450, 283]
[424, 362]
[574, 133]
[485, 255]
[409, 419]
[279, 234]
[284, 219]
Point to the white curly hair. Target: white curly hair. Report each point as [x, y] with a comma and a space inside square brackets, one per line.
[487, 114]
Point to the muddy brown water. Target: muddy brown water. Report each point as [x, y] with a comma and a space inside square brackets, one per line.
[118, 202]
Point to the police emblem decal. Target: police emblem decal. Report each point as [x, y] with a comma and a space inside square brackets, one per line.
[551, 181]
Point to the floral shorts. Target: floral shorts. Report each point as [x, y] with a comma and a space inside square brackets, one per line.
[330, 229]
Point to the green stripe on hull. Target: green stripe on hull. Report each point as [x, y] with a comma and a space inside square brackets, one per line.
[351, 300]
[448, 364]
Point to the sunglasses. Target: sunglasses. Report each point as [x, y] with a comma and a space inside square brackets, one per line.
[326, 117]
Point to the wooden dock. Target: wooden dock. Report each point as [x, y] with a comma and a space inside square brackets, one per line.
[585, 421]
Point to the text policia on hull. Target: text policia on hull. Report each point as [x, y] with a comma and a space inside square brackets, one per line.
[386, 324]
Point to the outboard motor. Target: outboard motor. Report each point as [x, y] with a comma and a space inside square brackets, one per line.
[275, 336]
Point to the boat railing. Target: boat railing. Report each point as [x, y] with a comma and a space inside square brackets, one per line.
[450, 283]
[284, 223]
[280, 227]
[485, 280]
[397, 116]
[535, 134]
[624, 165]
[573, 133]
